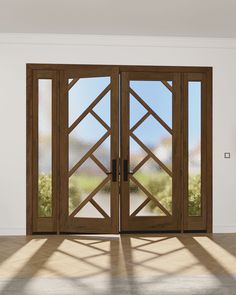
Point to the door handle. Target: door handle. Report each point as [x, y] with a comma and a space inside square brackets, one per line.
[126, 170]
[113, 171]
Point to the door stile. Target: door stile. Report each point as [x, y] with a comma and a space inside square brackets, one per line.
[63, 152]
[114, 112]
[177, 153]
[124, 183]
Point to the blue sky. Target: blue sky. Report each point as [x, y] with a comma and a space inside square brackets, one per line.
[154, 93]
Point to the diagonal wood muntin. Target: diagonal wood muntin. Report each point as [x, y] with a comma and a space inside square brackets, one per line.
[140, 207]
[144, 160]
[89, 108]
[88, 154]
[150, 196]
[149, 152]
[150, 110]
[72, 83]
[168, 86]
[91, 200]
[90, 196]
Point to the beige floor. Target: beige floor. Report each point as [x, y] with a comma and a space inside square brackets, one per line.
[126, 264]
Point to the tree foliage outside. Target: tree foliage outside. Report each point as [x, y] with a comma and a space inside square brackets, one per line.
[159, 184]
[45, 195]
[194, 191]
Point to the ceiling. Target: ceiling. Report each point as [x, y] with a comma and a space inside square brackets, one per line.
[202, 18]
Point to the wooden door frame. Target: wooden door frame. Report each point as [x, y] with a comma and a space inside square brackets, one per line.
[31, 140]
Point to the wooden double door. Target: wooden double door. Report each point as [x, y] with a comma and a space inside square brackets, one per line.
[111, 149]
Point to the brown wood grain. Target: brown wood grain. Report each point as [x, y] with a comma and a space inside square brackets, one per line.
[120, 75]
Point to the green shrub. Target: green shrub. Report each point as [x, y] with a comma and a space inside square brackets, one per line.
[159, 184]
[194, 189]
[45, 195]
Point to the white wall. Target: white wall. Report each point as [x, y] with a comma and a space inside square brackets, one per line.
[17, 50]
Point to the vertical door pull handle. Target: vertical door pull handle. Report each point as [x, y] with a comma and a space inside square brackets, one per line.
[125, 167]
[113, 171]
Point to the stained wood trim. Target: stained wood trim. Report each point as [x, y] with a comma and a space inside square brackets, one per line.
[29, 152]
[115, 148]
[203, 222]
[33, 220]
[124, 186]
[121, 68]
[209, 151]
[127, 73]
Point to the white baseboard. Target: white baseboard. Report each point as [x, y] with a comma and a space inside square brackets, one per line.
[224, 228]
[13, 231]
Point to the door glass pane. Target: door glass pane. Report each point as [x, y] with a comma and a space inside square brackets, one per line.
[150, 143]
[157, 96]
[44, 147]
[157, 139]
[83, 137]
[83, 93]
[89, 141]
[194, 148]
[82, 183]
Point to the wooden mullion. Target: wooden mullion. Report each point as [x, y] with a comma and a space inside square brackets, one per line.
[124, 121]
[114, 149]
[55, 151]
[64, 158]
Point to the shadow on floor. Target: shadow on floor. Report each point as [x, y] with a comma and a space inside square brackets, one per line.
[126, 264]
